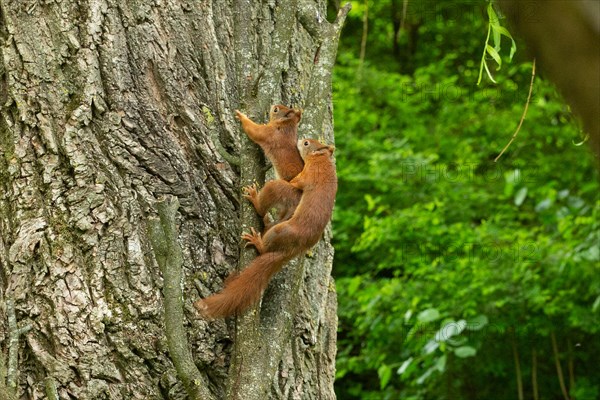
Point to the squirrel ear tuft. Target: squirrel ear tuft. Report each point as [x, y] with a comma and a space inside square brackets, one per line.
[299, 112]
[331, 148]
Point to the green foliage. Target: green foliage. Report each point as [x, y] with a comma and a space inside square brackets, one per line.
[496, 31]
[445, 260]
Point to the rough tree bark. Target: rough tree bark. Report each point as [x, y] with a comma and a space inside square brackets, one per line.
[108, 106]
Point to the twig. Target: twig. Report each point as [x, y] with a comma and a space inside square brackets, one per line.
[163, 235]
[230, 158]
[559, 372]
[522, 116]
[51, 392]
[363, 42]
[14, 332]
[398, 33]
[5, 393]
[517, 368]
[534, 380]
[403, 20]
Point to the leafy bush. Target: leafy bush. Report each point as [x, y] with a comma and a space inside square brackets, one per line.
[447, 263]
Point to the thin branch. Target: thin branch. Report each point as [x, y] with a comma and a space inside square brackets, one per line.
[401, 26]
[5, 392]
[559, 372]
[230, 158]
[524, 113]
[534, 380]
[51, 391]
[14, 332]
[571, 366]
[404, 9]
[365, 33]
[517, 368]
[163, 235]
[341, 18]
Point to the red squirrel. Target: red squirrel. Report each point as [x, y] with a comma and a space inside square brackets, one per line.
[284, 241]
[278, 140]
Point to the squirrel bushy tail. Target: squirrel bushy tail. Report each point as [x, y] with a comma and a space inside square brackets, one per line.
[245, 288]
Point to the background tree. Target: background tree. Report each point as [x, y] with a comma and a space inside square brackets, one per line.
[108, 106]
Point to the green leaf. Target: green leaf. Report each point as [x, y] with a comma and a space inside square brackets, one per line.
[591, 254]
[520, 196]
[465, 351]
[426, 375]
[477, 323]
[543, 205]
[404, 366]
[430, 347]
[492, 52]
[450, 329]
[385, 373]
[492, 16]
[371, 202]
[513, 50]
[353, 285]
[513, 176]
[503, 31]
[440, 365]
[431, 314]
[488, 72]
[596, 304]
[496, 36]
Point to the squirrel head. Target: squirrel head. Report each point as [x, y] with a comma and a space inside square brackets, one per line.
[312, 147]
[281, 112]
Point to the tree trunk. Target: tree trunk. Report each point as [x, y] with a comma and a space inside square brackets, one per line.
[556, 31]
[109, 106]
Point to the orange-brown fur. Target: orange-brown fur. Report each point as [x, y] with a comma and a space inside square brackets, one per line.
[277, 194]
[277, 139]
[285, 240]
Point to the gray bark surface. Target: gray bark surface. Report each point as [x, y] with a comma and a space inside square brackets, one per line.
[108, 106]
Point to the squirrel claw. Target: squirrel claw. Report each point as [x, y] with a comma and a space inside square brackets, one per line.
[254, 238]
[250, 191]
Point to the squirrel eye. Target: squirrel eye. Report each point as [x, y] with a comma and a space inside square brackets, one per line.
[276, 110]
[306, 143]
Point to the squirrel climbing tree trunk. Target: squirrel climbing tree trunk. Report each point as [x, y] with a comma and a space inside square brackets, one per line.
[107, 108]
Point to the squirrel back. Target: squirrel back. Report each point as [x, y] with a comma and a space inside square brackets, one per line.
[318, 183]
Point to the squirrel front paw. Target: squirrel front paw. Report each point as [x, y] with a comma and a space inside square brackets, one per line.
[240, 115]
[250, 192]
